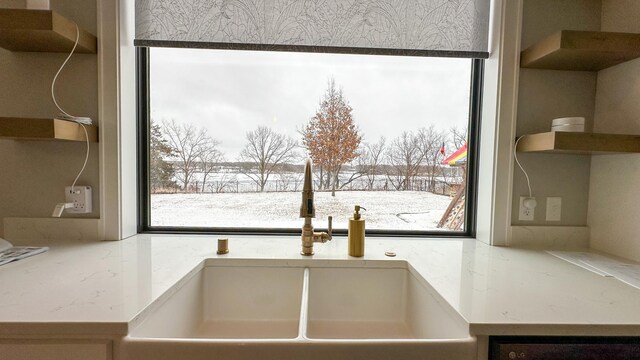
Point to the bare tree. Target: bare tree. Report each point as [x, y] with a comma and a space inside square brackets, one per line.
[457, 137]
[331, 136]
[290, 180]
[187, 143]
[404, 158]
[290, 176]
[430, 141]
[354, 175]
[221, 183]
[264, 152]
[370, 161]
[209, 159]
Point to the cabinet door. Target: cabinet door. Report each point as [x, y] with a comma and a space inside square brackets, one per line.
[46, 350]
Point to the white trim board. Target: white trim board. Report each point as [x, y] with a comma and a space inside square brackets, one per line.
[116, 102]
[23, 231]
[500, 96]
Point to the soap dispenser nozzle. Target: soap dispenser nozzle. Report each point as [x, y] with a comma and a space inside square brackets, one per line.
[356, 212]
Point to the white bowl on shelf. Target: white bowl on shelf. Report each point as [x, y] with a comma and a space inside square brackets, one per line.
[570, 124]
[568, 128]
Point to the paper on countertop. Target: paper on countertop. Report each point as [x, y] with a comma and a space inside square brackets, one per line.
[9, 253]
[4, 244]
[628, 273]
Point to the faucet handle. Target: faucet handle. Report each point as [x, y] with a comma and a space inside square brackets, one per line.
[323, 237]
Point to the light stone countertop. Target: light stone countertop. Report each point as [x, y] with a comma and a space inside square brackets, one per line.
[104, 288]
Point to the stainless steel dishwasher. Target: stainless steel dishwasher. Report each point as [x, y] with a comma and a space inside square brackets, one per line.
[564, 348]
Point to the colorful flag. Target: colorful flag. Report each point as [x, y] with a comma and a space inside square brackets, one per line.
[457, 158]
[442, 149]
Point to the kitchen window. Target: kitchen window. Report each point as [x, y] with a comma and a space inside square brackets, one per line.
[383, 96]
[226, 134]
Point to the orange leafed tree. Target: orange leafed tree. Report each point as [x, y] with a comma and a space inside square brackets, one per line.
[331, 136]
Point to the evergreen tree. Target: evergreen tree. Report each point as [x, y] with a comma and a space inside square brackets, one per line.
[161, 172]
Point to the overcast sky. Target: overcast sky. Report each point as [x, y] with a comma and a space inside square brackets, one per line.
[232, 92]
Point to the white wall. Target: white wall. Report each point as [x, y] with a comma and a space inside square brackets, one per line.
[33, 173]
[614, 196]
[548, 94]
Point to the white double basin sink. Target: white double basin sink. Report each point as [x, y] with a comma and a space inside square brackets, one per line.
[311, 309]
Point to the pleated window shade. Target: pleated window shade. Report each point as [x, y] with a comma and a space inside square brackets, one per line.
[457, 28]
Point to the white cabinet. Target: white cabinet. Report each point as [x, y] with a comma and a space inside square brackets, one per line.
[55, 350]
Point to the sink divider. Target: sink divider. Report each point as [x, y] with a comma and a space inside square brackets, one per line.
[304, 306]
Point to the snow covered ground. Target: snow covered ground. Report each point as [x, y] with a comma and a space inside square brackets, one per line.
[398, 210]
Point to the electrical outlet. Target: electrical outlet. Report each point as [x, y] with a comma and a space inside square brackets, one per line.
[554, 208]
[80, 197]
[526, 213]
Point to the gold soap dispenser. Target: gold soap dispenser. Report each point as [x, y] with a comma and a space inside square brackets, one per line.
[356, 233]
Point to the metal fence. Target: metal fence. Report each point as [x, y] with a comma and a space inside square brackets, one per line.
[226, 182]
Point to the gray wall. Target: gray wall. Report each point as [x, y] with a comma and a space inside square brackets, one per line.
[34, 173]
[614, 205]
[598, 191]
[548, 94]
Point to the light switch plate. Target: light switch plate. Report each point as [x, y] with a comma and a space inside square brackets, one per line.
[554, 208]
[80, 197]
[524, 213]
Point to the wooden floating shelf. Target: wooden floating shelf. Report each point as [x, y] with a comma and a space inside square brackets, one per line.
[579, 143]
[45, 129]
[581, 50]
[42, 31]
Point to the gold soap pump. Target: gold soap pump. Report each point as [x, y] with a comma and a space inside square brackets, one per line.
[356, 233]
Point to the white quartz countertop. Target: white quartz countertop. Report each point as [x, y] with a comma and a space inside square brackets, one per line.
[102, 288]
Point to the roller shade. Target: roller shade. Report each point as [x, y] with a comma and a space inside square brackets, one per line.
[413, 27]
